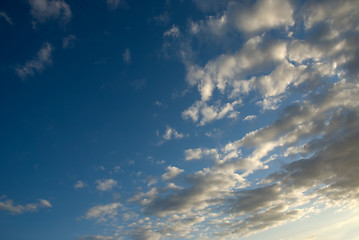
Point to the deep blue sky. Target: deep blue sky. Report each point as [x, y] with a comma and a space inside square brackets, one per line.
[178, 119]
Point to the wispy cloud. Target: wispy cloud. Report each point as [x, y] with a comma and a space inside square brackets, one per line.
[42, 60]
[126, 56]
[6, 17]
[8, 205]
[79, 184]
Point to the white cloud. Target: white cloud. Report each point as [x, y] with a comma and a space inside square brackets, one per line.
[8, 205]
[79, 184]
[39, 63]
[172, 133]
[105, 185]
[103, 212]
[44, 10]
[263, 15]
[172, 32]
[198, 153]
[172, 172]
[250, 117]
[126, 56]
[6, 17]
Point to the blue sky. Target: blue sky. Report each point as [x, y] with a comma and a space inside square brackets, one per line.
[175, 119]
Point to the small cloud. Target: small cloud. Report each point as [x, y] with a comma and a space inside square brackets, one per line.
[171, 173]
[172, 32]
[79, 184]
[131, 162]
[6, 17]
[127, 56]
[114, 4]
[191, 154]
[38, 64]
[158, 103]
[68, 41]
[96, 237]
[172, 133]
[162, 19]
[45, 10]
[250, 118]
[105, 185]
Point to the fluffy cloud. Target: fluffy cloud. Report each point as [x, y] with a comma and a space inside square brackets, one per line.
[262, 15]
[198, 153]
[105, 185]
[44, 10]
[8, 205]
[172, 172]
[39, 63]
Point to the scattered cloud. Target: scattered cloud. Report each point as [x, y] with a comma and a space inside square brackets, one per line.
[38, 64]
[8, 205]
[105, 185]
[138, 83]
[6, 17]
[45, 10]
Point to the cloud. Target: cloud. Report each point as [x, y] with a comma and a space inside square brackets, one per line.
[198, 153]
[105, 185]
[79, 184]
[6, 17]
[172, 133]
[172, 32]
[8, 205]
[126, 56]
[45, 10]
[103, 212]
[263, 15]
[249, 118]
[172, 172]
[113, 4]
[97, 237]
[68, 41]
[38, 64]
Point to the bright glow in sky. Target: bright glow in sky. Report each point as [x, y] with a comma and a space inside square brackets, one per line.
[195, 119]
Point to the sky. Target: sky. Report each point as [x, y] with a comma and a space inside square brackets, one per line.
[179, 119]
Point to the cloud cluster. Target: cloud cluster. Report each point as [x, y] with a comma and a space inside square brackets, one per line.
[6, 17]
[315, 136]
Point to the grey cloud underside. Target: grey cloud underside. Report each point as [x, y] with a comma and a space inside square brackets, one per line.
[316, 137]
